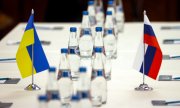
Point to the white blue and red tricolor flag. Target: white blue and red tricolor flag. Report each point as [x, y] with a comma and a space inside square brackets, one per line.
[152, 55]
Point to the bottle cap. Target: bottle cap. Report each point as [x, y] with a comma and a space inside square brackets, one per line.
[72, 51]
[84, 94]
[110, 2]
[98, 50]
[55, 96]
[64, 50]
[98, 29]
[99, 73]
[42, 98]
[52, 69]
[85, 13]
[75, 97]
[91, 2]
[65, 74]
[82, 69]
[109, 13]
[86, 32]
[73, 29]
[110, 31]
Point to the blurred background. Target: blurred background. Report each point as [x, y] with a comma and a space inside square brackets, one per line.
[14, 11]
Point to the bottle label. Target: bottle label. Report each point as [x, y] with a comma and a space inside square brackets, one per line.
[60, 73]
[74, 50]
[106, 31]
[94, 74]
[49, 93]
[83, 31]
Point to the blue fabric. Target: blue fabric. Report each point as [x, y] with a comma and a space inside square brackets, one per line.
[149, 57]
[148, 30]
[40, 60]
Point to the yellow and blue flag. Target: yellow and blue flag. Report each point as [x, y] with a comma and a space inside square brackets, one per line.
[24, 54]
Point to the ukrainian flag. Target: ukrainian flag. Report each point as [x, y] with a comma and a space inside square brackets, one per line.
[24, 53]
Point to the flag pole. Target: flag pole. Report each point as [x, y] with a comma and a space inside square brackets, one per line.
[143, 86]
[32, 86]
[144, 57]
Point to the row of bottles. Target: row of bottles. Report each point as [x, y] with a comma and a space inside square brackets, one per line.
[108, 43]
[85, 66]
[59, 93]
[97, 16]
[88, 48]
[70, 63]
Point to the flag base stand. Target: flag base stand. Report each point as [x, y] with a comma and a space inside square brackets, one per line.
[143, 87]
[32, 87]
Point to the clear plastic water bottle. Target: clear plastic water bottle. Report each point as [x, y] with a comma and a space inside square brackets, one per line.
[64, 63]
[87, 62]
[75, 101]
[65, 87]
[84, 81]
[74, 61]
[99, 13]
[54, 102]
[52, 85]
[86, 45]
[92, 13]
[98, 63]
[120, 16]
[98, 40]
[92, 18]
[111, 7]
[85, 100]
[73, 39]
[73, 56]
[85, 26]
[99, 89]
[42, 101]
[110, 44]
[109, 24]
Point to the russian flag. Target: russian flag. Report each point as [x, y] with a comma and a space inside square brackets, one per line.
[151, 54]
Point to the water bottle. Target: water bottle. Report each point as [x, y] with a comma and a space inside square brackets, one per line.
[54, 102]
[92, 18]
[73, 56]
[87, 62]
[99, 89]
[84, 81]
[110, 44]
[120, 16]
[52, 85]
[111, 7]
[85, 26]
[75, 101]
[65, 87]
[73, 39]
[99, 13]
[98, 63]
[42, 101]
[98, 40]
[74, 61]
[109, 24]
[86, 45]
[85, 100]
[64, 63]
[92, 13]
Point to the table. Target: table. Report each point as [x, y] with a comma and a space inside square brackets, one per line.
[121, 91]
